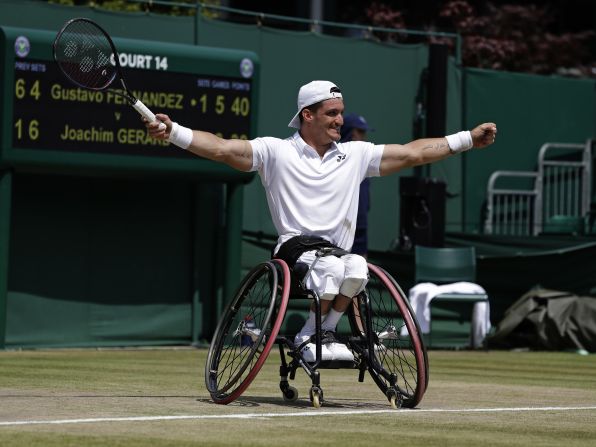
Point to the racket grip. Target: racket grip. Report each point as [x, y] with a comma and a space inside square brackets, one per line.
[146, 113]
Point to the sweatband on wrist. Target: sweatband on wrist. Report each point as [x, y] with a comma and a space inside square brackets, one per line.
[461, 141]
[180, 136]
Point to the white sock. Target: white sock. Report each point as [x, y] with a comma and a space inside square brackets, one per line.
[331, 321]
[309, 327]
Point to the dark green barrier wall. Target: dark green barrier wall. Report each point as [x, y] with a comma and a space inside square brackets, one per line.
[103, 265]
[113, 262]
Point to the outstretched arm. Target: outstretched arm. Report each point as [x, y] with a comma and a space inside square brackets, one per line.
[428, 150]
[234, 153]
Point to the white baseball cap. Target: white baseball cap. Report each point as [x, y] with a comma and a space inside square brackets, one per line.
[312, 93]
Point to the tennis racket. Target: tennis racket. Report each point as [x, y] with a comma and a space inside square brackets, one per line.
[87, 56]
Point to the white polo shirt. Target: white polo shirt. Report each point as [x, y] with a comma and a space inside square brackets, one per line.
[310, 195]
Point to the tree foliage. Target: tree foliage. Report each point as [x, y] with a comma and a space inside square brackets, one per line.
[514, 36]
[130, 6]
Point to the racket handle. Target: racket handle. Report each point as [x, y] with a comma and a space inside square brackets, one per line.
[146, 113]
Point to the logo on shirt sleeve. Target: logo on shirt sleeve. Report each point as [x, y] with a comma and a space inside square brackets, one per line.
[341, 157]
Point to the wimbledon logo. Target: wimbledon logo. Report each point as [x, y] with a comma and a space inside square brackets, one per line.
[22, 46]
[246, 68]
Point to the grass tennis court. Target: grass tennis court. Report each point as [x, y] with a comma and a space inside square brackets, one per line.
[157, 397]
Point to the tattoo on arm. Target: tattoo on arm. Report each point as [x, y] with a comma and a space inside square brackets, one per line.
[437, 146]
[245, 153]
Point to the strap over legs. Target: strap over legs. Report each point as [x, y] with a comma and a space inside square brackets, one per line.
[293, 248]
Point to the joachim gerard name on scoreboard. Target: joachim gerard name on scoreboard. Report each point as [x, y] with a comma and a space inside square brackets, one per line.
[101, 135]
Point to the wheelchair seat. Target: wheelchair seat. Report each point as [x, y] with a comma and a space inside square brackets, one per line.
[301, 269]
[297, 289]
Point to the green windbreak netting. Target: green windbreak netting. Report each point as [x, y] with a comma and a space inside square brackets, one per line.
[529, 111]
[54, 299]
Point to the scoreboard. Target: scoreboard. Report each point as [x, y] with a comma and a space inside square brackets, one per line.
[49, 123]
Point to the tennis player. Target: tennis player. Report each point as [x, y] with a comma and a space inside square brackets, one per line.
[312, 184]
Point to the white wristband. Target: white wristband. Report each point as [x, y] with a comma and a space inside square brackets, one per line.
[180, 136]
[461, 141]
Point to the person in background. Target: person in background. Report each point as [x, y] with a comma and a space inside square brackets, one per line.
[355, 128]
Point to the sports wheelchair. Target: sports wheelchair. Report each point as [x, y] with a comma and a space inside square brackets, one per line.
[384, 337]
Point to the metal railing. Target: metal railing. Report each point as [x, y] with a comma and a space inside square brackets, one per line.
[558, 199]
[314, 25]
[511, 210]
[566, 184]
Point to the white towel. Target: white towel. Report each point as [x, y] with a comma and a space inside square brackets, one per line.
[421, 295]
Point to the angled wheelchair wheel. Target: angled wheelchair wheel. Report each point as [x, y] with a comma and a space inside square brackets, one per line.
[399, 363]
[246, 332]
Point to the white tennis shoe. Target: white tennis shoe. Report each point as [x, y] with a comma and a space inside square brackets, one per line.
[338, 350]
[309, 351]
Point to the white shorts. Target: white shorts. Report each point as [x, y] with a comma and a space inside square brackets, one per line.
[332, 275]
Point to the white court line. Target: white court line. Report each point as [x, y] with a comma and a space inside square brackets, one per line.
[294, 414]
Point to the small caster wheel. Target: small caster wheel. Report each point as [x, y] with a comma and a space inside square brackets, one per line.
[394, 399]
[290, 394]
[316, 396]
[392, 402]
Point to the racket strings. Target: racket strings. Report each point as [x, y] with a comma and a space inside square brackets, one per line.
[85, 55]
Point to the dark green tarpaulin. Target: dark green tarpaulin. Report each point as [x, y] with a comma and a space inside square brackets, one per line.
[548, 319]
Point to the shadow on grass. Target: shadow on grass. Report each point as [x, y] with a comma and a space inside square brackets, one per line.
[97, 396]
[258, 401]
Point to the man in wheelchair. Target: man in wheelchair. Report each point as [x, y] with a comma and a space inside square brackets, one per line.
[312, 186]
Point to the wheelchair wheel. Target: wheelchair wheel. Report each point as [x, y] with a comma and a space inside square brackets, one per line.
[247, 330]
[399, 363]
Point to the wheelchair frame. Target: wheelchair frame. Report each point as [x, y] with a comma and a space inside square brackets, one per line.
[394, 353]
